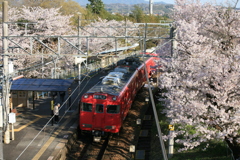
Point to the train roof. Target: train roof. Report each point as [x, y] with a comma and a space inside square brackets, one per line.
[115, 81]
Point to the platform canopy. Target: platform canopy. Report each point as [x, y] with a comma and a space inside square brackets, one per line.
[31, 84]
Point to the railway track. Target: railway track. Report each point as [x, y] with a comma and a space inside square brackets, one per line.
[143, 146]
[118, 145]
[95, 151]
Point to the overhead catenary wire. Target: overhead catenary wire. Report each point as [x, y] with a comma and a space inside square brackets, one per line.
[49, 121]
[56, 53]
[77, 97]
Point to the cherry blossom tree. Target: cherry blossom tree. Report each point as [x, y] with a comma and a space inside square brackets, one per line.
[202, 81]
[33, 21]
[37, 21]
[108, 29]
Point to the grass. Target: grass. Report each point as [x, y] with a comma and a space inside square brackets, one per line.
[215, 151]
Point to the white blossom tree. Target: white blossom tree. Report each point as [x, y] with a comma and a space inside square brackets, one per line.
[34, 21]
[202, 80]
[108, 29]
[37, 21]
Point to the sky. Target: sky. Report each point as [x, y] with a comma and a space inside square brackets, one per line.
[203, 1]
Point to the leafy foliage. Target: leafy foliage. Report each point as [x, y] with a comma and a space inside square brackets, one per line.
[137, 14]
[95, 6]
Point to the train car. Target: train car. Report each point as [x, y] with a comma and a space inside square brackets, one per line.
[104, 107]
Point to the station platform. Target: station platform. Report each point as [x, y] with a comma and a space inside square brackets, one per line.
[36, 137]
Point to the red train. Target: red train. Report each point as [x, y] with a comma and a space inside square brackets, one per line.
[104, 107]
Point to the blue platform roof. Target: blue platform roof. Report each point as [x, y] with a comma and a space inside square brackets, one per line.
[25, 84]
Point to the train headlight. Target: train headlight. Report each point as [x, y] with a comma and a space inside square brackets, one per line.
[114, 98]
[85, 96]
[87, 125]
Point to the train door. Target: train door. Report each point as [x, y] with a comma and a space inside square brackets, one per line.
[85, 120]
[113, 119]
[99, 116]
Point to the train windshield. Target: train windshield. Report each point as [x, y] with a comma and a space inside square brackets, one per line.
[99, 108]
[87, 107]
[113, 109]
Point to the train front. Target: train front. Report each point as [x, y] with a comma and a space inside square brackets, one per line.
[100, 114]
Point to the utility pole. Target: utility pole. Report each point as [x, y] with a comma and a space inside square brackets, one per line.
[6, 85]
[1, 127]
[79, 32]
[79, 48]
[126, 40]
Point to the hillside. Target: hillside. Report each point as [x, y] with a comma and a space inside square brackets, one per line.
[127, 2]
[160, 9]
[126, 6]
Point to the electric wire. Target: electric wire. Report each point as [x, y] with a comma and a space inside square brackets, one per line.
[52, 119]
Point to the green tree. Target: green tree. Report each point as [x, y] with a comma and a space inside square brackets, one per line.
[137, 14]
[96, 6]
[108, 16]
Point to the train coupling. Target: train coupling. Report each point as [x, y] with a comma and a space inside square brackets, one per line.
[96, 139]
[97, 135]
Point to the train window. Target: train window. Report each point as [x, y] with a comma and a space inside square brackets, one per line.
[99, 108]
[87, 107]
[113, 109]
[99, 97]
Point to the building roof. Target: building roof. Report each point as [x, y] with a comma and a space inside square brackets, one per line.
[31, 84]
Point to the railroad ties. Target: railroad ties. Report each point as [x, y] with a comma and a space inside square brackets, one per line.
[143, 148]
[95, 151]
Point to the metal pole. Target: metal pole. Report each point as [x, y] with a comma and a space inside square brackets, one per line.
[171, 141]
[1, 145]
[171, 144]
[33, 97]
[79, 33]
[79, 73]
[79, 48]
[87, 49]
[126, 40]
[42, 63]
[5, 87]
[25, 28]
[116, 44]
[13, 137]
[54, 69]
[1, 128]
[153, 104]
